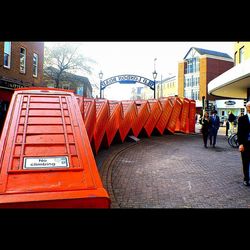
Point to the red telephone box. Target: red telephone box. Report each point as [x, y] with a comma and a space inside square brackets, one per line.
[46, 159]
[89, 116]
[102, 116]
[184, 116]
[174, 120]
[167, 108]
[143, 112]
[114, 121]
[155, 113]
[192, 112]
[129, 115]
[88, 111]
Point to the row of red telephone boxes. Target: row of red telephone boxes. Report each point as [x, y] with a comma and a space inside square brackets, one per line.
[107, 120]
[50, 137]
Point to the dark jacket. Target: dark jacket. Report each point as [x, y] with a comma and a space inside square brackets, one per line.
[214, 123]
[243, 130]
[231, 117]
[205, 126]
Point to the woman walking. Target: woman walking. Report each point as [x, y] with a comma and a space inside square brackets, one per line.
[205, 127]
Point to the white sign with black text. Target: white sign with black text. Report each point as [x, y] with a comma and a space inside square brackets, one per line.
[46, 162]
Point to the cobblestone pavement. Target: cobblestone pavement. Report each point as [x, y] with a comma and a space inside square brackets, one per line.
[173, 171]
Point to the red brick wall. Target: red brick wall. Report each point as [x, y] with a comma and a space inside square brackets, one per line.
[216, 67]
[14, 71]
[210, 68]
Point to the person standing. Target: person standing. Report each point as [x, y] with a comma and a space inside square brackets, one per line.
[231, 119]
[227, 127]
[243, 135]
[204, 121]
[214, 123]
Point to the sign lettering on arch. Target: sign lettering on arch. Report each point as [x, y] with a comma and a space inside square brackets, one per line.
[127, 79]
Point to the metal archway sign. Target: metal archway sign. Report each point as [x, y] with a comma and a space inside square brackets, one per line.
[127, 79]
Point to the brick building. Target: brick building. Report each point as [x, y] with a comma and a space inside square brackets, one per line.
[21, 65]
[197, 69]
[79, 84]
[168, 87]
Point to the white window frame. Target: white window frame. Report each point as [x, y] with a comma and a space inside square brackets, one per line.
[23, 71]
[35, 65]
[9, 58]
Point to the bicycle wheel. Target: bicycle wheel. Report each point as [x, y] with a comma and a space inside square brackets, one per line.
[229, 139]
[234, 141]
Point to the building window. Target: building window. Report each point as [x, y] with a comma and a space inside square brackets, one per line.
[193, 65]
[241, 55]
[196, 94]
[189, 66]
[35, 64]
[7, 54]
[79, 90]
[22, 60]
[188, 93]
[197, 64]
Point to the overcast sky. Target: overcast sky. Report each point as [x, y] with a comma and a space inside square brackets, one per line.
[115, 58]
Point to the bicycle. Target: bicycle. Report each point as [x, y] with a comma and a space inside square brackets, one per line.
[233, 140]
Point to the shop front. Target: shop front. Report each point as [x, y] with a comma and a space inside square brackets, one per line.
[7, 87]
[231, 105]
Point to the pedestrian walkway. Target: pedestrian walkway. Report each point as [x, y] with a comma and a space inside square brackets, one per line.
[173, 171]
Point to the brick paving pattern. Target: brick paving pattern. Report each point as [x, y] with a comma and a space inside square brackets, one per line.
[173, 171]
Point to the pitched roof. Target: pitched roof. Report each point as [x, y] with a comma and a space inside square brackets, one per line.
[209, 52]
[66, 76]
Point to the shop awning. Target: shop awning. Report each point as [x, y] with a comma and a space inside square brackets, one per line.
[9, 83]
[232, 83]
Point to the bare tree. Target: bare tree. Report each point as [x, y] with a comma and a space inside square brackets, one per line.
[62, 58]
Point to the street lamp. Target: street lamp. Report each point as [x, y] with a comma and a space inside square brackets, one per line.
[154, 76]
[100, 76]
